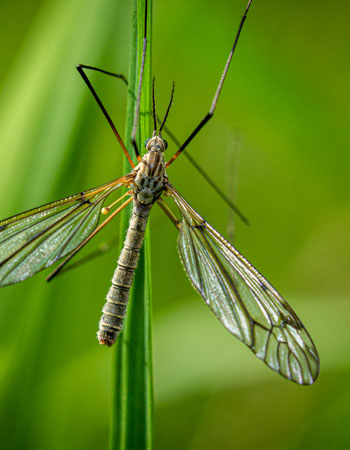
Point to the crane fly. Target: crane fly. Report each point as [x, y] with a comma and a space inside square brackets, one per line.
[239, 296]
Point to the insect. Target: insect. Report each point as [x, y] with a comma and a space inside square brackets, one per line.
[240, 297]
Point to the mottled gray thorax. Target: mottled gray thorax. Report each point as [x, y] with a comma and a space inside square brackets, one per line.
[150, 174]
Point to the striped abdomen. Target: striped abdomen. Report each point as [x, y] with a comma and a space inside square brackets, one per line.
[114, 310]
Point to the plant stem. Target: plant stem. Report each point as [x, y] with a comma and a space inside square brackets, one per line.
[132, 409]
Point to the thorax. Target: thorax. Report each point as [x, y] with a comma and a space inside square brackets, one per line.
[150, 176]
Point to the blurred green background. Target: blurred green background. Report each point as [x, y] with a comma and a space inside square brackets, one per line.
[278, 145]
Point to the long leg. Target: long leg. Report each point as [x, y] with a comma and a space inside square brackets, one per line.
[80, 68]
[86, 240]
[194, 163]
[168, 212]
[106, 72]
[102, 249]
[210, 114]
[138, 100]
[205, 175]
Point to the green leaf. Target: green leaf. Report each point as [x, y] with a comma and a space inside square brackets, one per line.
[132, 374]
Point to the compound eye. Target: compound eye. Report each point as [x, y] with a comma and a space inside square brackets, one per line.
[146, 142]
[165, 144]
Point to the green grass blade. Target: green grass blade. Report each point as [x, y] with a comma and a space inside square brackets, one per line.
[133, 392]
[47, 121]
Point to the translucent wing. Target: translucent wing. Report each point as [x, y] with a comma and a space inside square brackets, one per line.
[35, 239]
[243, 300]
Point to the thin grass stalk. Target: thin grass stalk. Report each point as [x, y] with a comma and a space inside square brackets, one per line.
[132, 408]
